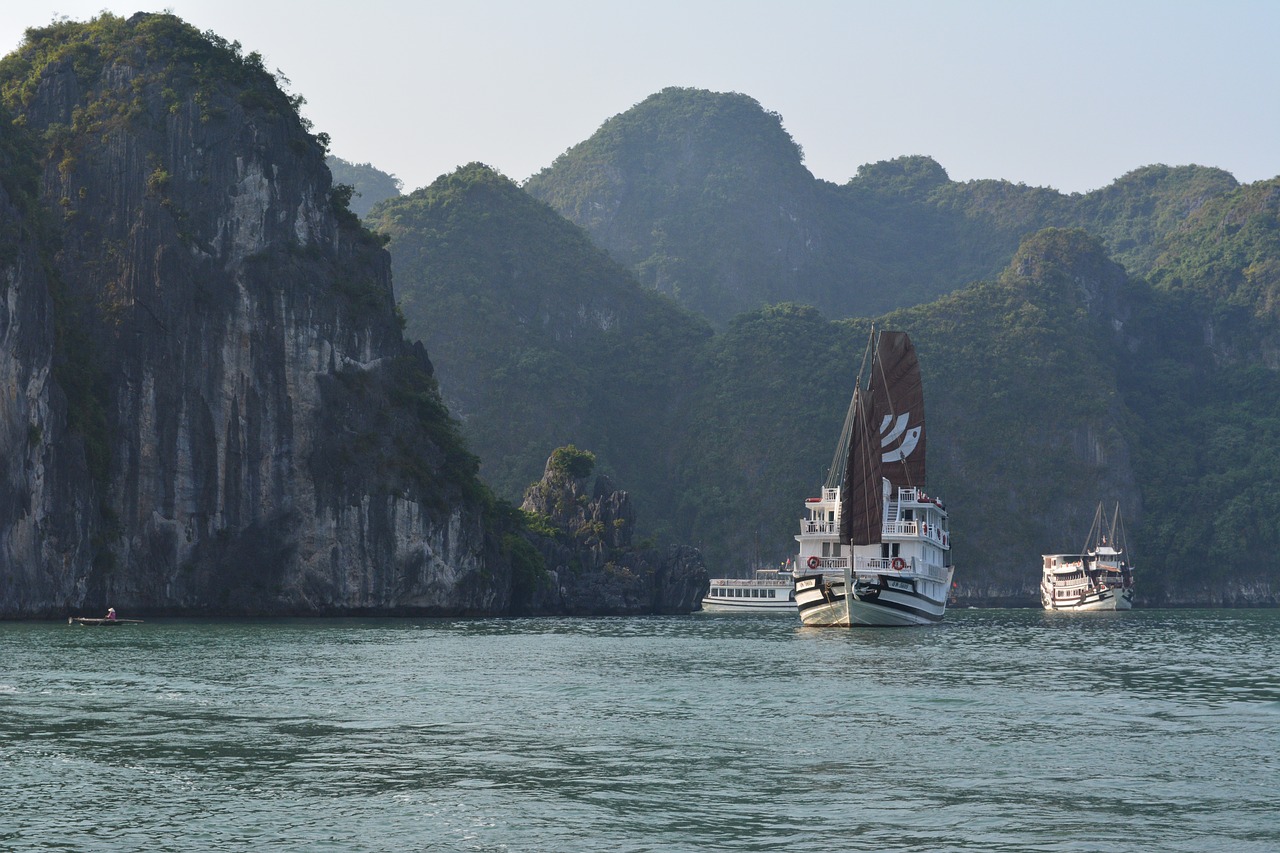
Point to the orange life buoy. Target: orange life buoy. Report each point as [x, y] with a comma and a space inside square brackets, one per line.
[899, 564]
[813, 562]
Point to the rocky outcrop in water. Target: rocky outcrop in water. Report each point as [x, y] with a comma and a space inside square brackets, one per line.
[592, 566]
[209, 404]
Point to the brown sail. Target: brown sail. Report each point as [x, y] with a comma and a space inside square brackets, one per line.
[898, 398]
[861, 493]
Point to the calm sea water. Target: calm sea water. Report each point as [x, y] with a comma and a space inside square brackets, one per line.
[998, 730]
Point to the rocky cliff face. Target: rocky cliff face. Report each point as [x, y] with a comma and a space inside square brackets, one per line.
[593, 567]
[44, 511]
[257, 436]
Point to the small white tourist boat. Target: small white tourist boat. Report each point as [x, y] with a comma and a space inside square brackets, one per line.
[1098, 578]
[770, 591]
[874, 548]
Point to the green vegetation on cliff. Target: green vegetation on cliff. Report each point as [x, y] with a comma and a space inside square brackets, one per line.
[1121, 344]
[655, 186]
[1058, 382]
[260, 435]
[703, 195]
[180, 57]
[539, 339]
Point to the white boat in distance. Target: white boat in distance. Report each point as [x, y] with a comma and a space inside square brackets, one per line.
[1098, 578]
[770, 591]
[874, 548]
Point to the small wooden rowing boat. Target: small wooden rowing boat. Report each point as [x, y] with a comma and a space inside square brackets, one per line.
[90, 622]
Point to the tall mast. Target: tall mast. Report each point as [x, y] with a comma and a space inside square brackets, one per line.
[835, 474]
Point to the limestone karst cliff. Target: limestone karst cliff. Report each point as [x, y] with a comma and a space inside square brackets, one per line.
[209, 403]
[591, 565]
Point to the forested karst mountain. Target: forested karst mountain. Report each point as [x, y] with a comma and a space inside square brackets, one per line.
[1140, 211]
[541, 339]
[244, 428]
[1129, 352]
[654, 184]
[704, 196]
[1209, 391]
[1226, 256]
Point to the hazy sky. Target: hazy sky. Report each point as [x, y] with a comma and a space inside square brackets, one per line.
[1069, 94]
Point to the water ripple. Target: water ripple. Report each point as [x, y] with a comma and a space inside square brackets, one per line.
[998, 730]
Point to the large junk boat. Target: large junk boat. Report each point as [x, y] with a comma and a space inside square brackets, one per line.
[770, 591]
[875, 549]
[1097, 578]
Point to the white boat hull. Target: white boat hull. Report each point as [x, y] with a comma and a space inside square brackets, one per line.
[1107, 599]
[878, 602]
[747, 605]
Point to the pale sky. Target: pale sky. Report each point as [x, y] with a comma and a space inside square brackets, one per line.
[1069, 94]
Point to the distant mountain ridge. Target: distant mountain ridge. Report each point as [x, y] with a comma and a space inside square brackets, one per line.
[704, 196]
[540, 338]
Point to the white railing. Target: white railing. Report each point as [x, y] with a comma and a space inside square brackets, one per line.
[827, 564]
[809, 526]
[880, 565]
[891, 528]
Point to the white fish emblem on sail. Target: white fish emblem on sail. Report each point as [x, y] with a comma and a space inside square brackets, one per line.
[891, 430]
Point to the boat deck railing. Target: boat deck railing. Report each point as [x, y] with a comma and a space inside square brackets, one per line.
[882, 565]
[815, 527]
[780, 583]
[1106, 581]
[932, 532]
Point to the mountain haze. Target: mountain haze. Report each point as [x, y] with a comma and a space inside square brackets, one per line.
[540, 338]
[1116, 345]
[704, 196]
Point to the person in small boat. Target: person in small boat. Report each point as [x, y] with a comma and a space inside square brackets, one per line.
[111, 614]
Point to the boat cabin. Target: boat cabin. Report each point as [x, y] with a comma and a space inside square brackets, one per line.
[914, 532]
